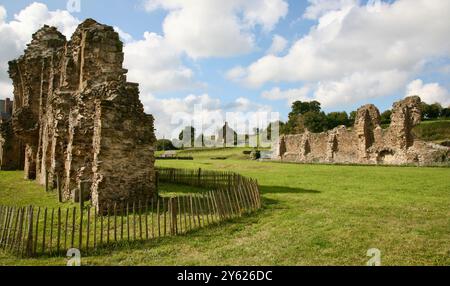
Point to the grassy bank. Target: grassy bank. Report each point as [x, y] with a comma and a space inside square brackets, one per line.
[435, 130]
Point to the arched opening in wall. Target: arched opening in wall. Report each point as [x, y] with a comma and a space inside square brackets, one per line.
[386, 157]
[307, 148]
[282, 146]
[368, 131]
[334, 146]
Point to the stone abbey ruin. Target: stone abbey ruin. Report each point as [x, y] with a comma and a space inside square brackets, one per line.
[367, 142]
[75, 122]
[78, 119]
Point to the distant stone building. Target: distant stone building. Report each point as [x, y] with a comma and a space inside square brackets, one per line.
[11, 148]
[226, 136]
[79, 118]
[367, 142]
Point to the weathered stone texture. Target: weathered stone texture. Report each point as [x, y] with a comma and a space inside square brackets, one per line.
[11, 149]
[367, 142]
[79, 117]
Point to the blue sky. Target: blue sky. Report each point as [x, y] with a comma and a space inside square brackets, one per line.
[344, 53]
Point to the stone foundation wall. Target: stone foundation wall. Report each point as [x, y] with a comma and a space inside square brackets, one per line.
[366, 142]
[79, 119]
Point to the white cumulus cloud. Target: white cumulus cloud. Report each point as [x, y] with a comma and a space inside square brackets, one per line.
[279, 44]
[215, 28]
[156, 65]
[290, 95]
[356, 52]
[429, 93]
[318, 8]
[173, 114]
[15, 34]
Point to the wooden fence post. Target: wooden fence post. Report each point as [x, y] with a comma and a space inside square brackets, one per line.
[191, 220]
[36, 231]
[80, 238]
[230, 203]
[65, 229]
[72, 242]
[205, 203]
[88, 228]
[238, 205]
[51, 230]
[122, 213]
[197, 210]
[165, 216]
[17, 240]
[108, 225]
[134, 220]
[95, 227]
[158, 217]
[29, 246]
[170, 211]
[4, 225]
[153, 219]
[140, 221]
[128, 222]
[59, 231]
[146, 219]
[115, 221]
[44, 231]
[11, 228]
[179, 222]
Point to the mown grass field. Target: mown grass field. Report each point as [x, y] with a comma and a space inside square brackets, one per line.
[313, 215]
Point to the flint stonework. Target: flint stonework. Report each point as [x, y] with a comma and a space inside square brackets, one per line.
[80, 119]
[366, 142]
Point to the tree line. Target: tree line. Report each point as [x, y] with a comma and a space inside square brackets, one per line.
[309, 116]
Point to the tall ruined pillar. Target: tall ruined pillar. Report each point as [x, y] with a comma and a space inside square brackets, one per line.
[367, 119]
[31, 79]
[79, 117]
[405, 115]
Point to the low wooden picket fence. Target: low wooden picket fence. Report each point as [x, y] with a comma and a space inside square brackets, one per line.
[33, 231]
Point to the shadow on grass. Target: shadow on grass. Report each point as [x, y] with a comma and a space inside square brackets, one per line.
[210, 231]
[286, 190]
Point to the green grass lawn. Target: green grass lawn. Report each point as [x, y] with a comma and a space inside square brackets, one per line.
[312, 215]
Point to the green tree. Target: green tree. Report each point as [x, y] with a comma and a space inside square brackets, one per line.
[336, 119]
[386, 117]
[431, 111]
[300, 107]
[295, 123]
[352, 118]
[445, 112]
[164, 144]
[315, 121]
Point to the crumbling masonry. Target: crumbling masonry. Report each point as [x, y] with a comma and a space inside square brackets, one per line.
[367, 142]
[11, 148]
[79, 119]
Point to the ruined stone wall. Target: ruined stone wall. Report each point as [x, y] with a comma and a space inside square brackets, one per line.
[11, 148]
[80, 119]
[366, 142]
